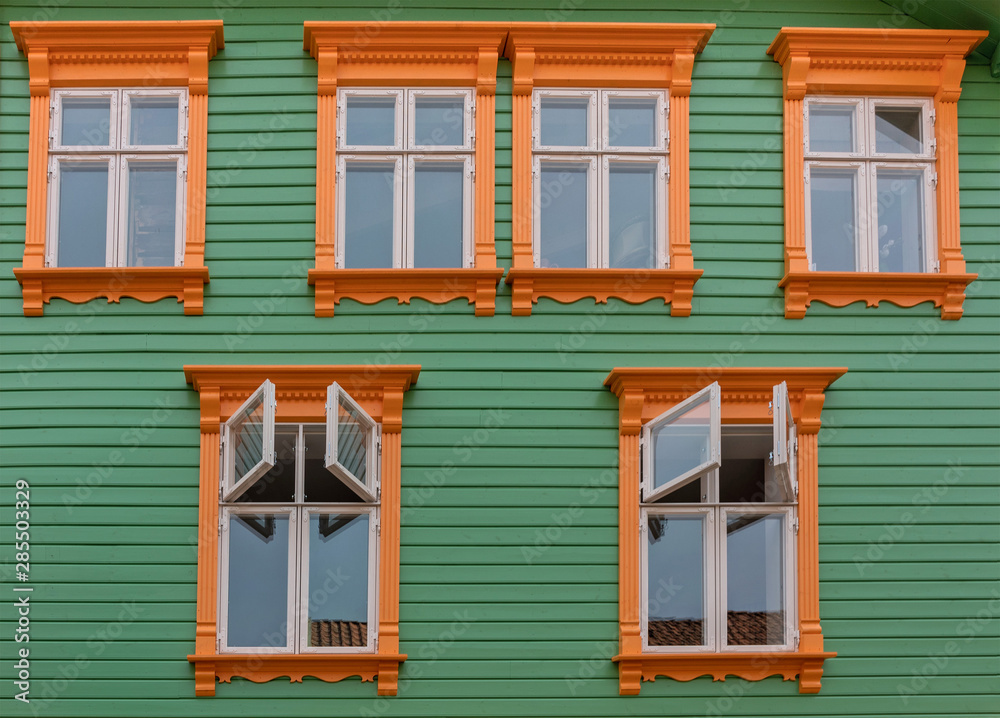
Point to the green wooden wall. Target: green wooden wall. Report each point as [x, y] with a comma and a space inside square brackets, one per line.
[509, 553]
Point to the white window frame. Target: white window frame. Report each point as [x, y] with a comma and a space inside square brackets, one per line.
[599, 151]
[232, 486]
[369, 489]
[120, 153]
[869, 161]
[784, 441]
[710, 395]
[405, 152]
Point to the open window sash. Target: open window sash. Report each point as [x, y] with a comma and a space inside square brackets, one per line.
[351, 443]
[783, 454]
[682, 443]
[249, 442]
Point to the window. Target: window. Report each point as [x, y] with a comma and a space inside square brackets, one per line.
[405, 191]
[116, 178]
[871, 167]
[118, 137]
[405, 172]
[599, 178]
[298, 548]
[869, 184]
[718, 529]
[718, 524]
[300, 515]
[600, 166]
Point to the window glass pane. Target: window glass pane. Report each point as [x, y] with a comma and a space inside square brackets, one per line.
[564, 121]
[247, 435]
[689, 493]
[632, 122]
[151, 220]
[338, 580]
[371, 121]
[682, 444]
[369, 204]
[745, 475]
[153, 120]
[833, 207]
[438, 214]
[632, 210]
[83, 214]
[564, 215]
[900, 220]
[831, 128]
[353, 433]
[439, 121]
[278, 484]
[86, 121]
[258, 580]
[321, 486]
[675, 595]
[897, 130]
[755, 580]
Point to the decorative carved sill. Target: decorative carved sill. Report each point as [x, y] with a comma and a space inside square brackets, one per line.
[82, 284]
[263, 667]
[750, 666]
[435, 285]
[838, 289]
[674, 286]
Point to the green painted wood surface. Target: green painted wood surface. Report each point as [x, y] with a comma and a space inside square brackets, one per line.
[909, 460]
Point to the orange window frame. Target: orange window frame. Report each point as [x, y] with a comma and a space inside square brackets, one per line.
[116, 54]
[882, 63]
[644, 394]
[405, 54]
[301, 397]
[604, 55]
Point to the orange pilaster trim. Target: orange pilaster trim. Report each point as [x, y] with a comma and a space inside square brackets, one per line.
[300, 392]
[644, 394]
[116, 54]
[405, 54]
[880, 62]
[599, 55]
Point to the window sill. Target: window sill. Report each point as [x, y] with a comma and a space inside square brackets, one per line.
[82, 284]
[632, 669]
[674, 286]
[838, 289]
[435, 285]
[262, 667]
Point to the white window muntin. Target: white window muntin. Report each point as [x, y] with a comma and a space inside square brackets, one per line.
[468, 128]
[182, 120]
[592, 120]
[369, 488]
[788, 576]
[539, 195]
[304, 589]
[468, 192]
[234, 486]
[928, 218]
[121, 242]
[55, 132]
[55, 170]
[862, 202]
[293, 549]
[709, 589]
[660, 220]
[927, 141]
[397, 203]
[661, 131]
[858, 125]
[710, 395]
[342, 100]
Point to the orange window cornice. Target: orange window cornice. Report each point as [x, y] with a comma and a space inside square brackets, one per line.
[116, 54]
[644, 394]
[600, 55]
[405, 54]
[889, 62]
[301, 397]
